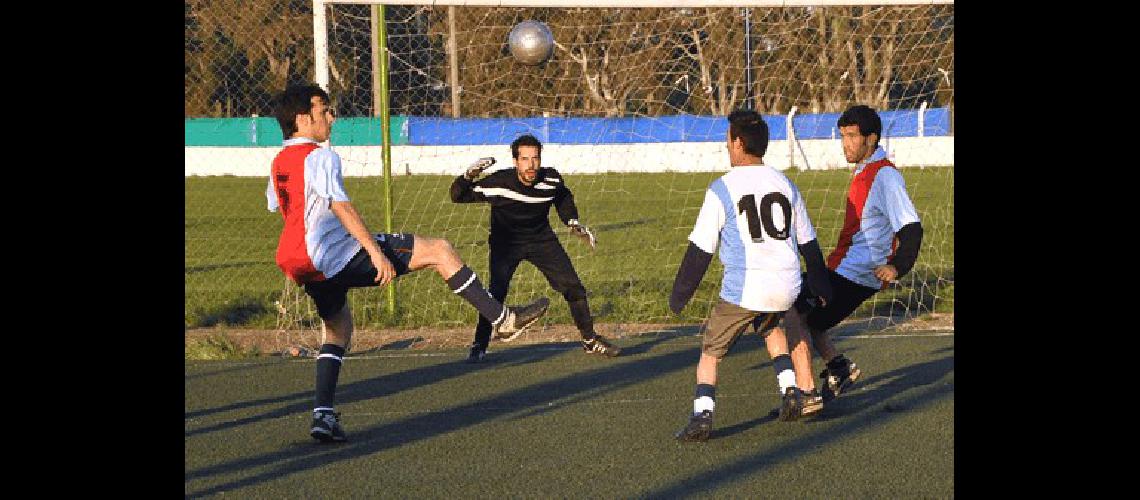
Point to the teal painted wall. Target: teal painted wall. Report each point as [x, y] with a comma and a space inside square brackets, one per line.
[248, 132]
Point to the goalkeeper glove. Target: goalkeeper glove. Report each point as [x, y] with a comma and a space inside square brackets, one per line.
[581, 231]
[478, 167]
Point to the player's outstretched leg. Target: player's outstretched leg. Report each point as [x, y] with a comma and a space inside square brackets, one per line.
[508, 322]
[554, 264]
[840, 373]
[839, 376]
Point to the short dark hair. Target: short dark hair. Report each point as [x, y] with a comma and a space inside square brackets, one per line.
[295, 100]
[750, 127]
[525, 140]
[866, 118]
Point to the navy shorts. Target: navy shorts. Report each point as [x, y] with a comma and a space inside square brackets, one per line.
[846, 295]
[332, 293]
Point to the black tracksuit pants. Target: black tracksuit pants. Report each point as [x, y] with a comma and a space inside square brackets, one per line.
[551, 260]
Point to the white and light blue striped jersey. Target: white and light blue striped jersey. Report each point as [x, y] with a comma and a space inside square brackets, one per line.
[758, 217]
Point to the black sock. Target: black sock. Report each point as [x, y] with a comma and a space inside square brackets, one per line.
[328, 368]
[580, 311]
[837, 362]
[465, 284]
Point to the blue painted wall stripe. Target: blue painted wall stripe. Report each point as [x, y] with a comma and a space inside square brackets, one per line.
[433, 131]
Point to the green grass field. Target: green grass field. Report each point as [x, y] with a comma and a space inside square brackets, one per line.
[546, 421]
[642, 222]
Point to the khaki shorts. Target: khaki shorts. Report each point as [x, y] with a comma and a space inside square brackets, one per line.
[728, 321]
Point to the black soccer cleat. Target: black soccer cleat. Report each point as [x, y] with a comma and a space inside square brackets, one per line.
[838, 381]
[326, 427]
[698, 428]
[478, 352]
[598, 345]
[519, 318]
[792, 407]
[813, 403]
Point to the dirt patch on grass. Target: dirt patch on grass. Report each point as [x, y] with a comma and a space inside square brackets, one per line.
[274, 342]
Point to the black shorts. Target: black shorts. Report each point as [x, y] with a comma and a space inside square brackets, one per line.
[846, 295]
[331, 294]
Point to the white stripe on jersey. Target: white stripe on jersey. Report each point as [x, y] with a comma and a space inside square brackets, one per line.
[544, 186]
[507, 193]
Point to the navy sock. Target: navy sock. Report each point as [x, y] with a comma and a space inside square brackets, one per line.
[465, 284]
[328, 369]
[706, 390]
[705, 398]
[781, 363]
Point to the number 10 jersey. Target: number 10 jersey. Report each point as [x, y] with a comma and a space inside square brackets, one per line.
[759, 218]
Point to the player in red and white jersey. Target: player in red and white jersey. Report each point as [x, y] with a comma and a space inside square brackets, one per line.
[326, 248]
[758, 218]
[878, 243]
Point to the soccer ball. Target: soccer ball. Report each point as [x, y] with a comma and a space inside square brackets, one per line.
[531, 42]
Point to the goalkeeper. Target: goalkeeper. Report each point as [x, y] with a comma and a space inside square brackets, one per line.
[520, 200]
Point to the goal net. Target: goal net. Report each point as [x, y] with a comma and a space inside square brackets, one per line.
[630, 109]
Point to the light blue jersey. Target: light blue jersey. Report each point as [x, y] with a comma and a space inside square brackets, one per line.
[758, 217]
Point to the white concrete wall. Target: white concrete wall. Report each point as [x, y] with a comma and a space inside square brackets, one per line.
[571, 159]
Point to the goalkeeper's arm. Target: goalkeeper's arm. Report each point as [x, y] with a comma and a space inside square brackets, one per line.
[461, 187]
[689, 275]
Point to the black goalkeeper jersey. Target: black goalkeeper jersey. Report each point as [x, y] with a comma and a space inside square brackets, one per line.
[519, 213]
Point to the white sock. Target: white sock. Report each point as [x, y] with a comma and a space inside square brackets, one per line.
[786, 379]
[703, 403]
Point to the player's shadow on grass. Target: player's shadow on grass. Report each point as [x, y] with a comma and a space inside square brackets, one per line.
[603, 228]
[866, 412]
[874, 389]
[213, 267]
[610, 376]
[252, 365]
[386, 385]
[240, 312]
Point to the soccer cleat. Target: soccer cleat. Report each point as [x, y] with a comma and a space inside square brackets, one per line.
[598, 345]
[793, 405]
[813, 403]
[698, 428]
[326, 427]
[478, 352]
[838, 381]
[519, 318]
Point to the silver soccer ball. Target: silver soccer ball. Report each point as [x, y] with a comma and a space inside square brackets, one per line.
[531, 42]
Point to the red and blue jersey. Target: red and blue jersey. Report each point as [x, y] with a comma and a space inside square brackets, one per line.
[877, 207]
[304, 181]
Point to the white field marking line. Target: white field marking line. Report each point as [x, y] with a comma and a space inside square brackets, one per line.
[570, 348]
